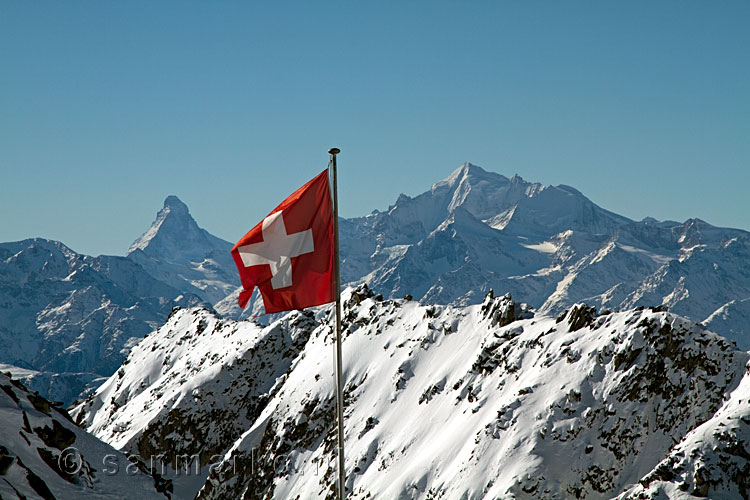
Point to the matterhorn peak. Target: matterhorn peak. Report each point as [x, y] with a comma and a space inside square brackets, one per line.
[173, 223]
[177, 251]
[175, 236]
[175, 205]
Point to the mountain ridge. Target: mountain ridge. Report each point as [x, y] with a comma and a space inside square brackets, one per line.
[72, 318]
[442, 401]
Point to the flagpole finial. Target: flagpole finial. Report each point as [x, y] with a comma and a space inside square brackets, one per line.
[334, 151]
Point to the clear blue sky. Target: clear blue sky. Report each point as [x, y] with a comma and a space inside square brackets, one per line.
[107, 107]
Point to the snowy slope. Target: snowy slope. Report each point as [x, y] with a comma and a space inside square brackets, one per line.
[732, 318]
[45, 456]
[193, 387]
[444, 404]
[484, 401]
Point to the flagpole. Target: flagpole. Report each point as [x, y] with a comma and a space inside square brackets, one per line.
[341, 490]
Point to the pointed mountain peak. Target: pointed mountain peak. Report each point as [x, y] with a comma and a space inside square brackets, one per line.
[471, 173]
[175, 205]
[483, 194]
[470, 168]
[173, 234]
[180, 253]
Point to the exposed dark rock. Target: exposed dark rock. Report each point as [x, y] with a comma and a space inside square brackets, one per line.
[504, 310]
[361, 293]
[56, 437]
[6, 460]
[40, 403]
[581, 316]
[9, 391]
[36, 483]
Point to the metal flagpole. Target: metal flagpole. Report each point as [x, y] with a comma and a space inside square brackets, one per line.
[341, 490]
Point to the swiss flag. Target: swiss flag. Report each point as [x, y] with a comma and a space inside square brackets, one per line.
[289, 255]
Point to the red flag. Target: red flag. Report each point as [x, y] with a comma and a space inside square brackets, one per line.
[289, 255]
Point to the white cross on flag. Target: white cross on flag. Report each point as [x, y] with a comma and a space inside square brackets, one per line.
[289, 255]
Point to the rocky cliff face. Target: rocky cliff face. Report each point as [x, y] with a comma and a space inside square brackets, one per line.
[711, 461]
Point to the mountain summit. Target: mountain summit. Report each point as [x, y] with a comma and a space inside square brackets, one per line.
[175, 236]
[483, 193]
[177, 251]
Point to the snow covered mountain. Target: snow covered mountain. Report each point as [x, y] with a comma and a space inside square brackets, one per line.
[178, 252]
[43, 455]
[484, 401]
[69, 319]
[209, 376]
[552, 246]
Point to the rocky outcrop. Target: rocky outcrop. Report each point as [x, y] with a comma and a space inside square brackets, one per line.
[44, 455]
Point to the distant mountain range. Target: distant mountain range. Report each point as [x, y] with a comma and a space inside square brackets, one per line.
[69, 319]
[549, 246]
